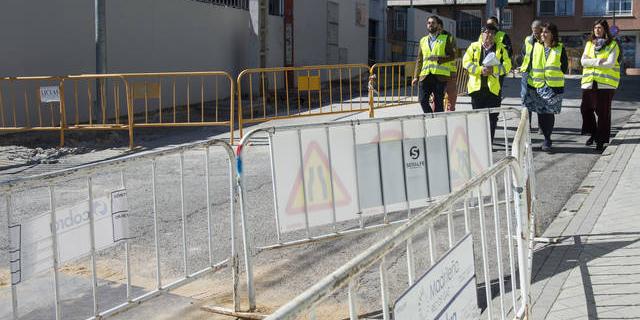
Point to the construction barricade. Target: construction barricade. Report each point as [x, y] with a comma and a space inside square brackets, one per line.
[181, 99]
[31, 104]
[94, 103]
[279, 93]
[391, 84]
[356, 177]
[413, 279]
[111, 102]
[92, 241]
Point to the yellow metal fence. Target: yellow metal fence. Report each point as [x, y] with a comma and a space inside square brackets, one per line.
[279, 93]
[392, 84]
[117, 102]
[183, 99]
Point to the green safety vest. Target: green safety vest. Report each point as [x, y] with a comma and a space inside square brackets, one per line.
[602, 75]
[433, 67]
[528, 48]
[546, 70]
[471, 61]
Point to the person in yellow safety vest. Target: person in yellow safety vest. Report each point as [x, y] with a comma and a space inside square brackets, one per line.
[484, 84]
[600, 79]
[545, 83]
[452, 89]
[431, 72]
[526, 52]
[501, 36]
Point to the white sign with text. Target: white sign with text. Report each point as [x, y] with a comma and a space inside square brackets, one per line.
[446, 291]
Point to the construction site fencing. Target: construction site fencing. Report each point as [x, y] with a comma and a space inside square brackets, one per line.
[395, 268]
[391, 84]
[279, 93]
[181, 99]
[31, 103]
[95, 240]
[343, 178]
[117, 102]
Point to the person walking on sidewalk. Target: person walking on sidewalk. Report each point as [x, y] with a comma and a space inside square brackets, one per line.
[600, 79]
[486, 60]
[545, 83]
[431, 71]
[526, 52]
[452, 88]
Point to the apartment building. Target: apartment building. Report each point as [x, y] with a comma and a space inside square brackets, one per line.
[576, 17]
[573, 17]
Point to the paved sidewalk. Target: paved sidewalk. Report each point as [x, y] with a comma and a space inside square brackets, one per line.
[594, 272]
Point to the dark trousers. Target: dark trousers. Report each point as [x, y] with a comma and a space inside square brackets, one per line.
[485, 99]
[546, 121]
[597, 101]
[432, 85]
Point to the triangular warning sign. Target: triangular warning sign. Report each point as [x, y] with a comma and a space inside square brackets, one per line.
[463, 156]
[459, 155]
[317, 185]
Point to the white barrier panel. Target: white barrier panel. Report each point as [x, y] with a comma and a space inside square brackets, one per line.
[95, 240]
[496, 263]
[321, 177]
[446, 291]
[32, 240]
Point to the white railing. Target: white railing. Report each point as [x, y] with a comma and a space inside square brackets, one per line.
[338, 224]
[516, 172]
[134, 216]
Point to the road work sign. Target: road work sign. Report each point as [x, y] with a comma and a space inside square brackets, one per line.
[446, 291]
[49, 94]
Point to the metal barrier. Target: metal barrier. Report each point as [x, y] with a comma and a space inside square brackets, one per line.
[181, 99]
[321, 185]
[279, 93]
[95, 102]
[31, 104]
[510, 301]
[117, 102]
[120, 228]
[392, 84]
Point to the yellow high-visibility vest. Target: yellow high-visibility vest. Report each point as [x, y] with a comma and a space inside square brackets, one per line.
[433, 67]
[602, 75]
[499, 37]
[528, 48]
[472, 63]
[546, 69]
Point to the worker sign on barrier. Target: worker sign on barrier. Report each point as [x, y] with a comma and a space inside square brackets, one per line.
[446, 291]
[32, 241]
[329, 174]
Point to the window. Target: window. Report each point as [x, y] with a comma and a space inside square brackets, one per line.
[240, 4]
[276, 7]
[401, 21]
[596, 8]
[468, 26]
[507, 19]
[555, 7]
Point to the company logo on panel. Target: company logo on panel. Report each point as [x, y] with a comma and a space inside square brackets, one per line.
[317, 184]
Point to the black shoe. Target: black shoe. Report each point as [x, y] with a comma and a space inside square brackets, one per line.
[589, 141]
[599, 146]
[546, 146]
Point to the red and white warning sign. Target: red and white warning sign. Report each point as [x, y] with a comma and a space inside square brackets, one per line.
[315, 180]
